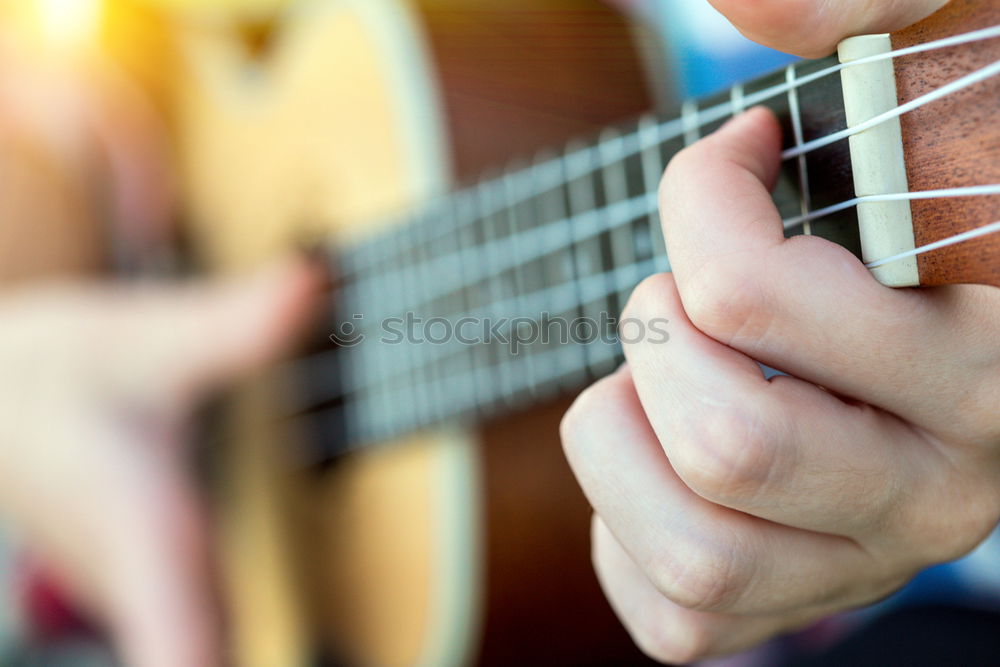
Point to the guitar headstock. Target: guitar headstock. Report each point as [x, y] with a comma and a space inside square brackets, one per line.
[947, 144]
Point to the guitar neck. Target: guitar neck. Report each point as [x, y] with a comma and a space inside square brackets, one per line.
[507, 292]
[467, 308]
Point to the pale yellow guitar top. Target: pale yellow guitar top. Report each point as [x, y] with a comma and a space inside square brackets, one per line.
[334, 126]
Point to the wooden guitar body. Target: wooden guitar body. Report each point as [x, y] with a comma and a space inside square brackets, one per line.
[335, 125]
[454, 546]
[297, 121]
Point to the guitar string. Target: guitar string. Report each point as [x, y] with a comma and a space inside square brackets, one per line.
[970, 191]
[484, 393]
[965, 81]
[489, 391]
[483, 376]
[538, 176]
[539, 242]
[674, 128]
[567, 296]
[791, 153]
[991, 228]
[805, 200]
[393, 394]
[559, 298]
[611, 352]
[945, 90]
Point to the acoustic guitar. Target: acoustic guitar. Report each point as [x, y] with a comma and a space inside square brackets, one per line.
[392, 501]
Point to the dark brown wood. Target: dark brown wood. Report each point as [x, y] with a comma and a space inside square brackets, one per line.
[519, 76]
[48, 225]
[953, 142]
[544, 604]
[522, 75]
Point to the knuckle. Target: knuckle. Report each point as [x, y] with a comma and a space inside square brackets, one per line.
[723, 301]
[648, 298]
[690, 159]
[577, 425]
[944, 522]
[787, 25]
[726, 294]
[685, 165]
[981, 404]
[961, 532]
[572, 424]
[700, 577]
[724, 459]
[677, 168]
[677, 641]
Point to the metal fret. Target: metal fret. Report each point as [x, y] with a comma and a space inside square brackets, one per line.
[519, 222]
[652, 171]
[570, 235]
[689, 118]
[456, 380]
[590, 259]
[393, 270]
[559, 268]
[374, 357]
[435, 397]
[438, 387]
[473, 296]
[796, 117]
[603, 355]
[418, 354]
[362, 412]
[401, 391]
[497, 387]
[737, 99]
[470, 238]
[824, 73]
[616, 190]
[590, 289]
[406, 388]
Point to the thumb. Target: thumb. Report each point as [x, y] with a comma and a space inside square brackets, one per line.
[813, 28]
[176, 343]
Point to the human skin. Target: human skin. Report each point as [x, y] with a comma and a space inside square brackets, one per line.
[98, 379]
[730, 508]
[98, 383]
[97, 388]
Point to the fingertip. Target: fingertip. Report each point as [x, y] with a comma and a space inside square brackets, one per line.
[793, 26]
[272, 307]
[812, 29]
[759, 114]
[751, 141]
[237, 325]
[300, 285]
[765, 121]
[759, 143]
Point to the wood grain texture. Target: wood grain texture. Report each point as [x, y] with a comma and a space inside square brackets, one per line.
[517, 76]
[953, 142]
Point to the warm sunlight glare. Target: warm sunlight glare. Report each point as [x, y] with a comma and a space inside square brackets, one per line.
[69, 22]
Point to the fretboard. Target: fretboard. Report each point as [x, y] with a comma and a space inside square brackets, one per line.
[507, 292]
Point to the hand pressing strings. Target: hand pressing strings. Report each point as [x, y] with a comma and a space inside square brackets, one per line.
[730, 508]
